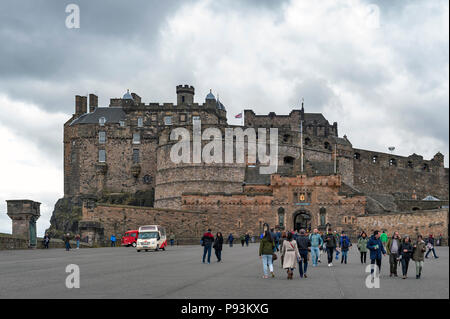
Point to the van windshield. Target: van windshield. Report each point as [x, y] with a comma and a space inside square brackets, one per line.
[148, 235]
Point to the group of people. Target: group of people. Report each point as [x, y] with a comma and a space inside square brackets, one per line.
[294, 248]
[66, 238]
[208, 242]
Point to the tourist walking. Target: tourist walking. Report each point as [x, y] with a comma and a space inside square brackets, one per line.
[247, 239]
[277, 240]
[376, 250]
[67, 241]
[362, 247]
[230, 239]
[344, 244]
[266, 246]
[430, 246]
[418, 253]
[207, 241]
[316, 245]
[242, 238]
[218, 243]
[303, 245]
[113, 240]
[77, 239]
[330, 241]
[392, 248]
[384, 238]
[46, 241]
[290, 254]
[439, 240]
[338, 239]
[405, 253]
[172, 239]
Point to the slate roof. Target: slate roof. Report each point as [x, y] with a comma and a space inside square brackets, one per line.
[111, 114]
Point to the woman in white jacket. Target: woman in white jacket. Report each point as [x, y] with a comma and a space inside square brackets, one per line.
[290, 255]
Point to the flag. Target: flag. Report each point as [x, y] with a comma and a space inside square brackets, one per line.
[238, 116]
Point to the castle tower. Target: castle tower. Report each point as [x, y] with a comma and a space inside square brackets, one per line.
[185, 94]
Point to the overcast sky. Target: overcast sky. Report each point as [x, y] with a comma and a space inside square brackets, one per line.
[378, 68]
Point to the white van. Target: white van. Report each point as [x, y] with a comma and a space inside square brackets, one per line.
[151, 237]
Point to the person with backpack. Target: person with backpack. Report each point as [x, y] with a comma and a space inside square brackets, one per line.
[218, 243]
[67, 241]
[207, 241]
[290, 255]
[303, 245]
[344, 244]
[242, 238]
[316, 244]
[430, 246]
[376, 251]
[362, 246]
[230, 239]
[330, 241]
[393, 250]
[405, 253]
[418, 253]
[266, 247]
[247, 239]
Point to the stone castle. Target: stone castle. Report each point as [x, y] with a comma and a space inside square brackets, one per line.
[118, 175]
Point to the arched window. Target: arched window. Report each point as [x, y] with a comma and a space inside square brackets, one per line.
[288, 160]
[323, 216]
[307, 141]
[281, 217]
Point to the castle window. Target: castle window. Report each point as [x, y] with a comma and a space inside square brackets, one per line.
[182, 99]
[101, 156]
[410, 164]
[288, 160]
[182, 117]
[357, 156]
[140, 122]
[307, 141]
[102, 121]
[374, 159]
[168, 120]
[286, 138]
[136, 138]
[135, 156]
[154, 118]
[392, 162]
[281, 217]
[425, 167]
[327, 146]
[102, 137]
[322, 216]
[121, 123]
[148, 179]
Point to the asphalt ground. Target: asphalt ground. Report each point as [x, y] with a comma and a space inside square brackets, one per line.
[178, 272]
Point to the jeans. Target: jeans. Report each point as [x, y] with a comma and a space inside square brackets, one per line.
[405, 264]
[231, 243]
[207, 249]
[393, 263]
[242, 242]
[378, 262]
[246, 242]
[78, 244]
[315, 253]
[171, 242]
[267, 261]
[218, 253]
[344, 256]
[430, 250]
[67, 246]
[113, 244]
[363, 256]
[303, 263]
[277, 245]
[419, 266]
[330, 251]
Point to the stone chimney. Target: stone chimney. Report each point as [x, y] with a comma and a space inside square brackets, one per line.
[80, 104]
[93, 102]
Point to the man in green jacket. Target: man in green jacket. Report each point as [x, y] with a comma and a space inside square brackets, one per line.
[392, 248]
[419, 249]
[384, 238]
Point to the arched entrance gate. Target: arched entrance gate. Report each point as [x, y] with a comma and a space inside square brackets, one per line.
[302, 220]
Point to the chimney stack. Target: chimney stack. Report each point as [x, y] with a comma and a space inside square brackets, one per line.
[80, 104]
[93, 102]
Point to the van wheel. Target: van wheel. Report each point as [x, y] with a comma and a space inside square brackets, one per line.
[164, 248]
[157, 248]
[138, 250]
[133, 244]
[146, 250]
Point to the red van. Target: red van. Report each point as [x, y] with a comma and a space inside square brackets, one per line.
[130, 238]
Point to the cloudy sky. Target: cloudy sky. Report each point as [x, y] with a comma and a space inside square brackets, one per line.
[378, 68]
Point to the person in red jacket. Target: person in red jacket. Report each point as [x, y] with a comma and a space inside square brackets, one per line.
[207, 241]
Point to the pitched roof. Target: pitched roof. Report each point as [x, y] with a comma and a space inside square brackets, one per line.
[111, 114]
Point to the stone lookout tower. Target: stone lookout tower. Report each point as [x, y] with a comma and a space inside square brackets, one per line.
[24, 214]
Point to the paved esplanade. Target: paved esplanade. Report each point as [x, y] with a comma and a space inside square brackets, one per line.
[178, 273]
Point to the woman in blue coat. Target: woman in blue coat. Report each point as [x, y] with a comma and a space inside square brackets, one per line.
[376, 249]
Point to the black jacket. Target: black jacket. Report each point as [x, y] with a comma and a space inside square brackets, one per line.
[218, 242]
[330, 240]
[303, 242]
[408, 247]
[207, 239]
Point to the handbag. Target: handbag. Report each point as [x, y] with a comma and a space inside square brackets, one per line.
[274, 256]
